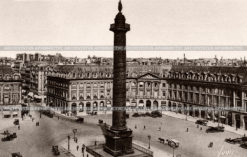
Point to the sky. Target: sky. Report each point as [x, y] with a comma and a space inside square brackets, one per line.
[153, 22]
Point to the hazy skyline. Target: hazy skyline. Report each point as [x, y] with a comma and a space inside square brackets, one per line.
[153, 22]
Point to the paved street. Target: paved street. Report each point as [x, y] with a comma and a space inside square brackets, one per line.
[35, 141]
[175, 128]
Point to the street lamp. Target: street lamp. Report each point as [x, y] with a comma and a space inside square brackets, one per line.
[149, 138]
[173, 146]
[74, 131]
[68, 143]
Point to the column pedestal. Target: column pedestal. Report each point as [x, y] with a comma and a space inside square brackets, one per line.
[118, 142]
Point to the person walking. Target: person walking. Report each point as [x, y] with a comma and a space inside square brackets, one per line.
[144, 127]
[19, 127]
[77, 147]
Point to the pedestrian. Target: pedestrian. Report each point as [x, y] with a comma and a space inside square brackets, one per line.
[144, 127]
[187, 129]
[201, 128]
[77, 147]
[135, 127]
[197, 126]
[19, 127]
[210, 144]
[82, 148]
[76, 140]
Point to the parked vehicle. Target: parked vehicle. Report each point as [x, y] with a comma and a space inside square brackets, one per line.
[9, 137]
[173, 143]
[161, 140]
[6, 132]
[80, 120]
[18, 154]
[101, 121]
[202, 122]
[47, 113]
[55, 150]
[156, 114]
[16, 122]
[244, 145]
[148, 114]
[136, 115]
[212, 129]
[236, 140]
[233, 141]
[13, 135]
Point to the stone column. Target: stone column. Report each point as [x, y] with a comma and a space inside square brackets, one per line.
[119, 137]
[233, 120]
[69, 91]
[234, 98]
[242, 100]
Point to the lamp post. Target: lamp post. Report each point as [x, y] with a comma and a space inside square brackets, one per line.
[74, 131]
[186, 113]
[149, 138]
[68, 143]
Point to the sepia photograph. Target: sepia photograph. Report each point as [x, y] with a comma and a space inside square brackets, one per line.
[123, 78]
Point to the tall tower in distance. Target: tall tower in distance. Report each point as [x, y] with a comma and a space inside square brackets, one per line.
[119, 137]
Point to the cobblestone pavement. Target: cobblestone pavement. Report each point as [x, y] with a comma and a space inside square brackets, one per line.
[35, 141]
[192, 144]
[210, 123]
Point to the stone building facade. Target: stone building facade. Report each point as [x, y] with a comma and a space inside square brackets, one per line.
[214, 93]
[10, 91]
[83, 90]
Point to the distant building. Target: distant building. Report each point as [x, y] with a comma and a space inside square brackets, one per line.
[10, 91]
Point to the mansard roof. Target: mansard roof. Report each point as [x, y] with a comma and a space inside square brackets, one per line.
[211, 69]
[5, 69]
[7, 73]
[226, 73]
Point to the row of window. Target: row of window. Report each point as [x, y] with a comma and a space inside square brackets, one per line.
[200, 89]
[206, 77]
